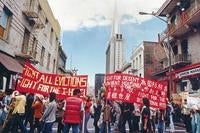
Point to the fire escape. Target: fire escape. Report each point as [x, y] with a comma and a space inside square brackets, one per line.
[36, 19]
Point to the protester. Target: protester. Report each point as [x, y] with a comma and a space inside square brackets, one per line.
[195, 119]
[186, 116]
[59, 115]
[29, 111]
[136, 118]
[97, 112]
[87, 104]
[153, 119]
[117, 113]
[127, 109]
[73, 114]
[169, 115]
[18, 113]
[161, 123]
[8, 119]
[145, 118]
[105, 127]
[38, 107]
[6, 100]
[49, 115]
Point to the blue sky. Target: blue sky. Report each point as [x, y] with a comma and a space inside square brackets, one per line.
[86, 29]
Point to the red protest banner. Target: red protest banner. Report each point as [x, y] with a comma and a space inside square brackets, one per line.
[34, 81]
[130, 88]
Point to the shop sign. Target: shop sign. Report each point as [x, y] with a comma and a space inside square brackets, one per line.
[188, 72]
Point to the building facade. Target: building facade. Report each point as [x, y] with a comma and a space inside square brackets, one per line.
[99, 81]
[115, 52]
[143, 58]
[182, 38]
[62, 58]
[28, 32]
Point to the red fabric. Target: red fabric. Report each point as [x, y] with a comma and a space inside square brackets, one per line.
[73, 110]
[33, 81]
[132, 89]
[88, 104]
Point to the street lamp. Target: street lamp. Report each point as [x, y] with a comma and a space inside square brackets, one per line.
[169, 48]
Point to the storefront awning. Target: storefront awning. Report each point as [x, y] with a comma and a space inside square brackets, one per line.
[10, 63]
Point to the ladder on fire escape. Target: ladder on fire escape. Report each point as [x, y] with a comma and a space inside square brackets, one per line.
[166, 49]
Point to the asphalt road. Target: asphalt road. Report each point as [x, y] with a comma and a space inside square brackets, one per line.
[178, 129]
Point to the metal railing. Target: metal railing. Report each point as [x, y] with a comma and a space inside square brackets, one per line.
[180, 20]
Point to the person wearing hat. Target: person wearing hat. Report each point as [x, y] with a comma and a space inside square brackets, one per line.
[38, 107]
[73, 114]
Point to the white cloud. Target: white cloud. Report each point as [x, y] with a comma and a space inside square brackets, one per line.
[75, 14]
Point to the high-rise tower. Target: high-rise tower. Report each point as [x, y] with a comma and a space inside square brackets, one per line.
[115, 52]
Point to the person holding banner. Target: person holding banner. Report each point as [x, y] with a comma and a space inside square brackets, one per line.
[145, 118]
[106, 110]
[126, 115]
[73, 115]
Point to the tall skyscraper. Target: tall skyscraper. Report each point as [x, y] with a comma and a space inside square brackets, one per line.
[115, 52]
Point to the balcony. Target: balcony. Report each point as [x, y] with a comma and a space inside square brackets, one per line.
[179, 60]
[31, 8]
[184, 22]
[182, 59]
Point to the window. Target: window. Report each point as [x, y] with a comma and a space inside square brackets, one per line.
[42, 56]
[25, 41]
[140, 60]
[48, 61]
[136, 62]
[51, 37]
[54, 65]
[34, 48]
[184, 47]
[5, 19]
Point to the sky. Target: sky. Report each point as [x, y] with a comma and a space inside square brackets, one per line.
[86, 29]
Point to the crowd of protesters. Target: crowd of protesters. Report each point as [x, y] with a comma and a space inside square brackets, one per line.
[38, 113]
[143, 118]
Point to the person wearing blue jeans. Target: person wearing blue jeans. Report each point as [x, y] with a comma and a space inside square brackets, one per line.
[17, 120]
[75, 128]
[49, 115]
[105, 127]
[47, 127]
[18, 112]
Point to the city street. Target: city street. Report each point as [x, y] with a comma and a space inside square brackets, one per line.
[178, 129]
